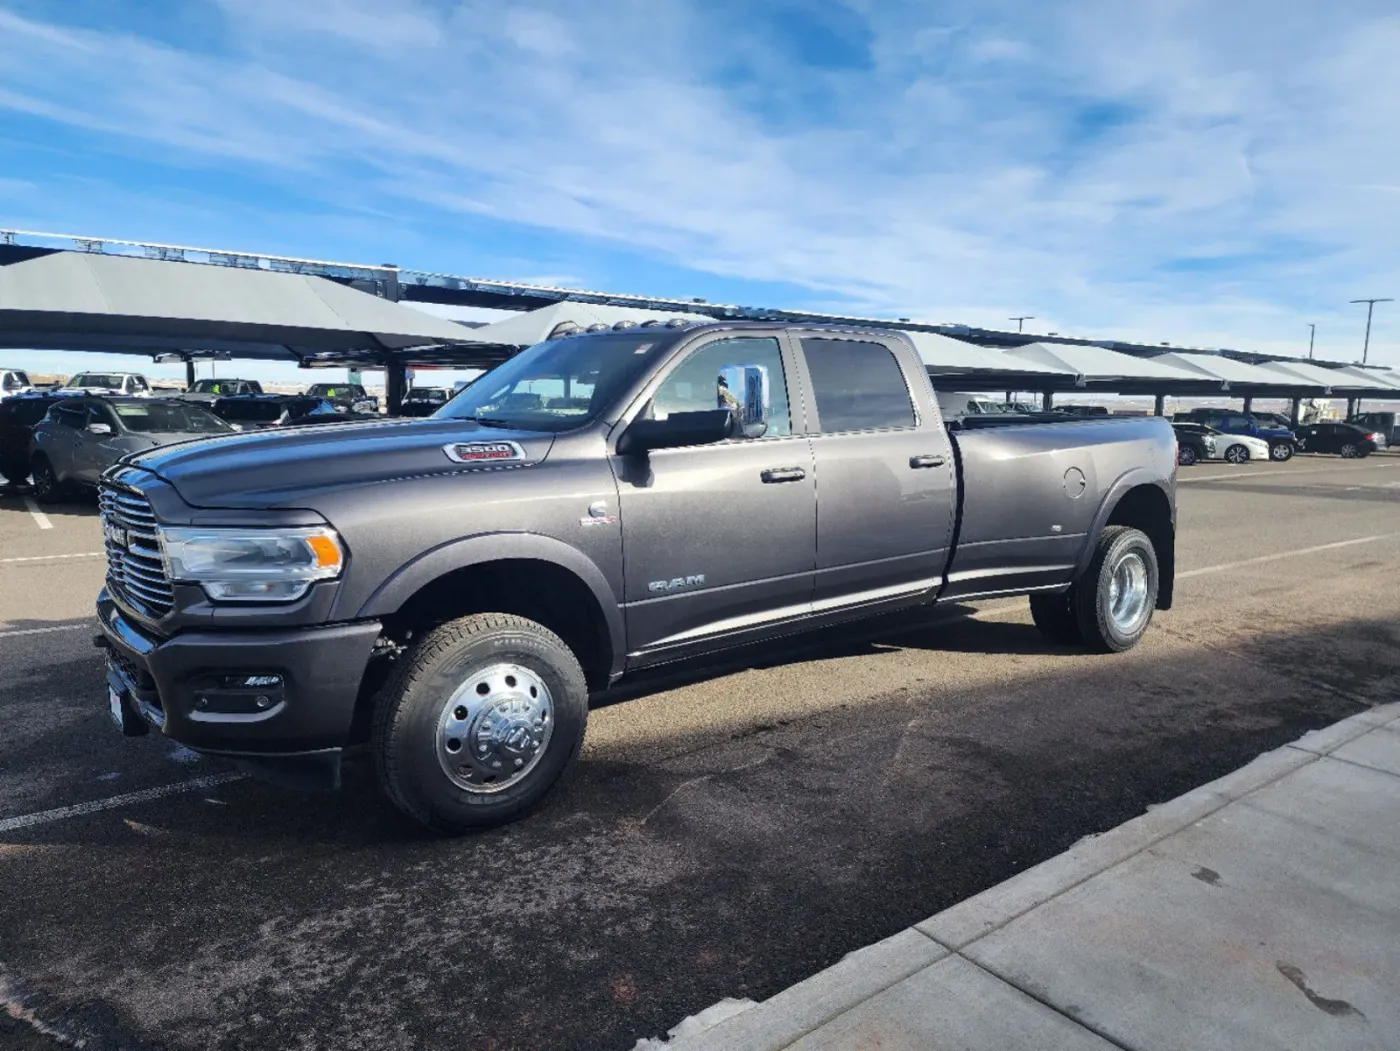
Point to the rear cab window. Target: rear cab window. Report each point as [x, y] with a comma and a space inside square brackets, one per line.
[857, 386]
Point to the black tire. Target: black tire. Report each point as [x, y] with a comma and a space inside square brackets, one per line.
[47, 487]
[1054, 614]
[1186, 456]
[1237, 454]
[1350, 451]
[1281, 451]
[413, 709]
[1093, 591]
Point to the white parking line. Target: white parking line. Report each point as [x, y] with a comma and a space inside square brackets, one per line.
[1280, 555]
[47, 558]
[40, 519]
[43, 631]
[43, 817]
[1248, 473]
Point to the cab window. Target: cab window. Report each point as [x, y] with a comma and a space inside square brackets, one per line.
[694, 385]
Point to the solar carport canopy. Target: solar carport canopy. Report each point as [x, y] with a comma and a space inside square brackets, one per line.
[1097, 368]
[955, 365]
[1238, 376]
[125, 304]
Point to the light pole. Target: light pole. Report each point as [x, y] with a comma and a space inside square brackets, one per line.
[1370, 306]
[1020, 321]
[1312, 334]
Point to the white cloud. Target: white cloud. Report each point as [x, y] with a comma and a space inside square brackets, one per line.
[1187, 171]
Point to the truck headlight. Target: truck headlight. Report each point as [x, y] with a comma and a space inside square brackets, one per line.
[252, 565]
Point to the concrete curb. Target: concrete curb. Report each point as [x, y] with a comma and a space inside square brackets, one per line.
[787, 1017]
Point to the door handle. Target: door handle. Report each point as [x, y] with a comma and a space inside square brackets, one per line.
[926, 460]
[774, 475]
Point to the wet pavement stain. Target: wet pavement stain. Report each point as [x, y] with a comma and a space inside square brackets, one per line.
[1335, 1008]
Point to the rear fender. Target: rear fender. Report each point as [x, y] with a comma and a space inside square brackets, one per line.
[1164, 540]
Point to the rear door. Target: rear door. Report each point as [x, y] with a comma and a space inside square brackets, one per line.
[886, 491]
[719, 541]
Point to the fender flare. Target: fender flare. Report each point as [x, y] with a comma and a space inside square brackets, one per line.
[1130, 479]
[408, 579]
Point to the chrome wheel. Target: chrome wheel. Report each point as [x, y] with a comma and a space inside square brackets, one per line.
[1237, 454]
[1127, 593]
[1282, 451]
[1349, 451]
[494, 729]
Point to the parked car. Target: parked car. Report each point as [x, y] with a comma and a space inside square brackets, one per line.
[1194, 442]
[1345, 439]
[131, 384]
[14, 382]
[80, 438]
[1281, 441]
[346, 397]
[256, 411]
[207, 390]
[424, 401]
[1083, 410]
[18, 415]
[450, 590]
[1388, 423]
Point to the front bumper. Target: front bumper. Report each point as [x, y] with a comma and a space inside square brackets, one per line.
[168, 683]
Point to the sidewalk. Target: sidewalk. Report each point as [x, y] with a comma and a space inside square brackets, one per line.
[1259, 911]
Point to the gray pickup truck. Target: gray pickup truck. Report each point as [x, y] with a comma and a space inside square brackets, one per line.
[450, 590]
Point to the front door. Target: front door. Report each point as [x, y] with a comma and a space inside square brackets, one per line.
[718, 540]
[886, 489]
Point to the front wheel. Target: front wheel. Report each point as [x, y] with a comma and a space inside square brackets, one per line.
[1281, 452]
[47, 488]
[1237, 454]
[479, 721]
[1115, 598]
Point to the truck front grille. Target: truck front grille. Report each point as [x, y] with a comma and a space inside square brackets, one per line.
[135, 567]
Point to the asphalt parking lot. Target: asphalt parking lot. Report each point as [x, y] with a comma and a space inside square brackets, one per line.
[731, 830]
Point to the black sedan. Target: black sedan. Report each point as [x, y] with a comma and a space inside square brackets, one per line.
[1345, 439]
[424, 401]
[1194, 442]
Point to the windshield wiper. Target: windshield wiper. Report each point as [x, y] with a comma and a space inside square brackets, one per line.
[489, 421]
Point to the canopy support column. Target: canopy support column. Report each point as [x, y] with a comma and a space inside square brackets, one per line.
[1159, 405]
[395, 383]
[1296, 409]
[189, 372]
[1351, 407]
[1248, 403]
[1009, 399]
[1047, 400]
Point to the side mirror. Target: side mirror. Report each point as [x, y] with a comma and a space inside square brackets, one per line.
[677, 430]
[99, 428]
[744, 391]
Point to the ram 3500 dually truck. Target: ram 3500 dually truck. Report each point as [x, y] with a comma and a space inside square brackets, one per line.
[450, 590]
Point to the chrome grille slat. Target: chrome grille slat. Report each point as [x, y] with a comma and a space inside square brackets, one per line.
[135, 572]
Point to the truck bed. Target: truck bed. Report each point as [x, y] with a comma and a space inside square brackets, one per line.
[1031, 488]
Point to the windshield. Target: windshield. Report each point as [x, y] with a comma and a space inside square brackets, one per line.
[427, 394]
[214, 387]
[559, 384]
[104, 380]
[169, 417]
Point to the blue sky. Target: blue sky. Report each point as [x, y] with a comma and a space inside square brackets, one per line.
[1203, 173]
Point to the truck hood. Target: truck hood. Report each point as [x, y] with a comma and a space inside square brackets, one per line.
[282, 467]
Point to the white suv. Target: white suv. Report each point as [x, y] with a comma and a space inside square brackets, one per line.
[132, 384]
[12, 382]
